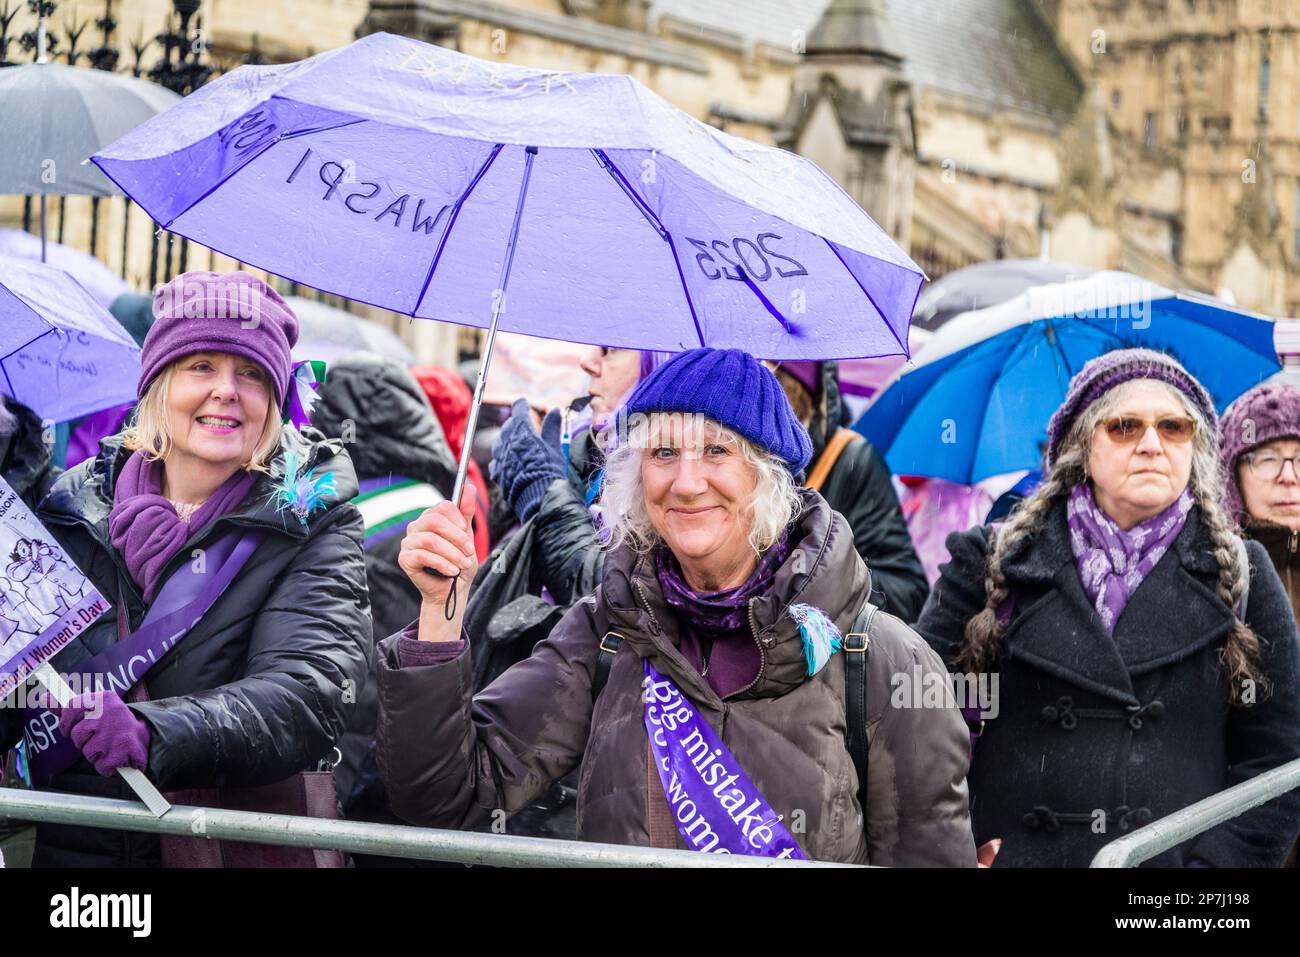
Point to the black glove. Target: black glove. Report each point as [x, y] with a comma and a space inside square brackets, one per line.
[525, 463]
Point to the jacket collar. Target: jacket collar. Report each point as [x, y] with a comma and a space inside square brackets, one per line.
[823, 570]
[1059, 630]
[1277, 540]
[84, 495]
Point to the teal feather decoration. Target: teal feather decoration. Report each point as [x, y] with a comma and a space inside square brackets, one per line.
[302, 493]
[821, 638]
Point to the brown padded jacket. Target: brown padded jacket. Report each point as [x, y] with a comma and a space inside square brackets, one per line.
[451, 760]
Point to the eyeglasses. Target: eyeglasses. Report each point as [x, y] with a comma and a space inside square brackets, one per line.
[1128, 429]
[1268, 465]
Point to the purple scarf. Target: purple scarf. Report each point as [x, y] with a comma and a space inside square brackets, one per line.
[720, 618]
[144, 527]
[1112, 562]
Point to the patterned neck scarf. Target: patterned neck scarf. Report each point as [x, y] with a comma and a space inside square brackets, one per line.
[1112, 562]
[719, 612]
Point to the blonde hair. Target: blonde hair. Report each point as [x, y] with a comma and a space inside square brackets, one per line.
[148, 434]
[773, 504]
[1239, 659]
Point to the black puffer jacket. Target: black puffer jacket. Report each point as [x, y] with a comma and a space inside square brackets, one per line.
[859, 488]
[1096, 735]
[378, 409]
[382, 414]
[257, 690]
[24, 453]
[555, 550]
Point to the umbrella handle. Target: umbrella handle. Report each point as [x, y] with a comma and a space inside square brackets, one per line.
[498, 307]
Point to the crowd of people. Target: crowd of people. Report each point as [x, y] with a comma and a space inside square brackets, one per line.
[682, 612]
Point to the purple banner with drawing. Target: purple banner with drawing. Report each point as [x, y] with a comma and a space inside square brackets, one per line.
[715, 805]
[45, 600]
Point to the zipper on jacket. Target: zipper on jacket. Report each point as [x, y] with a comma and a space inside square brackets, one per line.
[753, 630]
[762, 655]
[645, 601]
[1290, 565]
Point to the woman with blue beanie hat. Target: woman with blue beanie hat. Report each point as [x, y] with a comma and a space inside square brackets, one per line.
[704, 687]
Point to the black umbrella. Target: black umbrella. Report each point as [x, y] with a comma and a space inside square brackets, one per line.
[987, 284]
[54, 116]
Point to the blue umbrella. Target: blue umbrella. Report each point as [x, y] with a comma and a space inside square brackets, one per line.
[61, 353]
[977, 401]
[420, 180]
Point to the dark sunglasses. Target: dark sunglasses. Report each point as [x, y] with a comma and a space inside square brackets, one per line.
[1128, 429]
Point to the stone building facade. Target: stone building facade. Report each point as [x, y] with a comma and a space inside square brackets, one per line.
[1159, 136]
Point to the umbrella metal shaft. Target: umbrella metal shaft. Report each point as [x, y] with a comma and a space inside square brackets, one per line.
[498, 307]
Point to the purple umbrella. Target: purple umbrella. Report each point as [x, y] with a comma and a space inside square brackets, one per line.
[424, 181]
[97, 279]
[61, 353]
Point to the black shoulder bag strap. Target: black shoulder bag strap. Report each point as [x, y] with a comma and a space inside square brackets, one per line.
[855, 646]
[604, 661]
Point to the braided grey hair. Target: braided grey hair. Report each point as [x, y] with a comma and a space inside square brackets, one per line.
[1240, 656]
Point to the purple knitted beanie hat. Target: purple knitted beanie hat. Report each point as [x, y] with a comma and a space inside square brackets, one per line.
[215, 312]
[1105, 372]
[1256, 417]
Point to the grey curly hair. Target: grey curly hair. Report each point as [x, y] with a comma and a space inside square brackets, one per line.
[772, 506]
[1240, 656]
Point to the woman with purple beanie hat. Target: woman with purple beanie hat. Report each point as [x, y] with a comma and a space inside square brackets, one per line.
[206, 501]
[1259, 441]
[1147, 657]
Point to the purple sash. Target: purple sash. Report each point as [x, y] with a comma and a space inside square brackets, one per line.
[181, 602]
[714, 803]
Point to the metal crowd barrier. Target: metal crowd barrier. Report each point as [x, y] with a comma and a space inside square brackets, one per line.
[1159, 836]
[464, 847]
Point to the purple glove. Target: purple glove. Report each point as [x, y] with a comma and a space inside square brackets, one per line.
[115, 739]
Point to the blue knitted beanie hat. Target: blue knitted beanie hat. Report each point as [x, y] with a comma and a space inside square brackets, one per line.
[735, 390]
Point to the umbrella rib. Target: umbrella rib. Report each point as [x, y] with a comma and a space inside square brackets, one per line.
[608, 166]
[871, 299]
[644, 208]
[1051, 335]
[767, 303]
[690, 304]
[451, 221]
[252, 156]
[14, 352]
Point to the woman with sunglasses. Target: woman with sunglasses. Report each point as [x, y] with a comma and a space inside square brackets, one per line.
[1143, 657]
[1260, 440]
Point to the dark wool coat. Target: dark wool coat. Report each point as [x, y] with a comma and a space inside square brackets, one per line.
[1095, 735]
[260, 687]
[450, 759]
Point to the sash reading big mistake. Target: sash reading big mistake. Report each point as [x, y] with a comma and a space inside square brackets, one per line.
[716, 806]
[45, 600]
